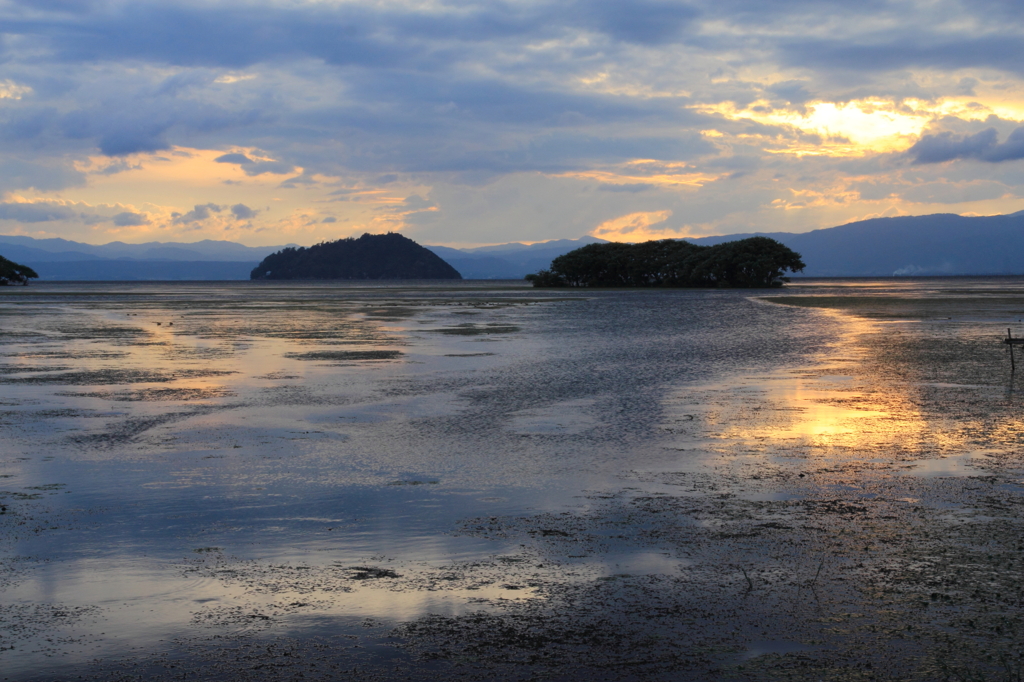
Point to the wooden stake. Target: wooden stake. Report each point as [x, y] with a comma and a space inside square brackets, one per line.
[1009, 342]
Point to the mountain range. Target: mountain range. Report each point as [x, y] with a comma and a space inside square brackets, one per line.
[931, 245]
[61, 259]
[942, 244]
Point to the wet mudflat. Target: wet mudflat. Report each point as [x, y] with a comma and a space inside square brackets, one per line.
[218, 481]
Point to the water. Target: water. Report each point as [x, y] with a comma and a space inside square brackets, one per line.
[225, 458]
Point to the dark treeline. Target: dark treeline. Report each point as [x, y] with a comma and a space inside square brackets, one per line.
[14, 273]
[372, 256]
[755, 262]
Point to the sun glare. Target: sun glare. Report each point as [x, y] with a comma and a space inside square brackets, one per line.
[857, 127]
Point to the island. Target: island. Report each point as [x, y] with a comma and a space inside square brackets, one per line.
[15, 273]
[756, 262]
[372, 256]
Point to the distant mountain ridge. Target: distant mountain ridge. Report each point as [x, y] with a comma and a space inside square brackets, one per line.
[58, 250]
[62, 259]
[930, 245]
[940, 244]
[514, 260]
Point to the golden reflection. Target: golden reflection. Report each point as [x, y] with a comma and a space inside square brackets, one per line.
[832, 409]
[813, 416]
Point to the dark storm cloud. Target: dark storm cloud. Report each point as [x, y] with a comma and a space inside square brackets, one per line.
[983, 146]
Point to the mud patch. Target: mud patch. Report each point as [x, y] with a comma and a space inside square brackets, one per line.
[155, 394]
[346, 355]
[471, 329]
[21, 622]
[117, 376]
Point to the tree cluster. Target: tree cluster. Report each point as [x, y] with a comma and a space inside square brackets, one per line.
[756, 262]
[15, 273]
[372, 256]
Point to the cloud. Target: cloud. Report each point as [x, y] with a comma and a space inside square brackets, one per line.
[983, 146]
[233, 158]
[417, 203]
[639, 21]
[199, 213]
[236, 35]
[634, 227]
[243, 212]
[45, 175]
[903, 49]
[627, 187]
[793, 92]
[253, 167]
[124, 142]
[944, 192]
[36, 212]
[127, 219]
[122, 129]
[516, 119]
[11, 90]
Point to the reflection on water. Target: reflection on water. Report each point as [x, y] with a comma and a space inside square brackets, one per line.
[226, 458]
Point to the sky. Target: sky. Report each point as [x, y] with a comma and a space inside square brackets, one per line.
[464, 123]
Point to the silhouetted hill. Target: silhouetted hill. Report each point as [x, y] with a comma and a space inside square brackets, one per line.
[372, 256]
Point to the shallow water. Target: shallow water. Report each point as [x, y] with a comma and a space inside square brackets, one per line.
[189, 462]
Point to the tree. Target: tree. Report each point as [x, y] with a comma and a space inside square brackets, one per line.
[546, 278]
[754, 262]
[593, 265]
[15, 273]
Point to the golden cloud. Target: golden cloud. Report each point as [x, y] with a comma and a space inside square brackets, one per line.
[635, 227]
[859, 127]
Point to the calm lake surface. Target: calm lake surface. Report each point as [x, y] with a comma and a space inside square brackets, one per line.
[197, 477]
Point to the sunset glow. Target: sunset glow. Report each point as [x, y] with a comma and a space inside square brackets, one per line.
[521, 124]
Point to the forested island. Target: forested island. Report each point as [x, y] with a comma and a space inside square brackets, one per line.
[756, 262]
[372, 256]
[15, 273]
